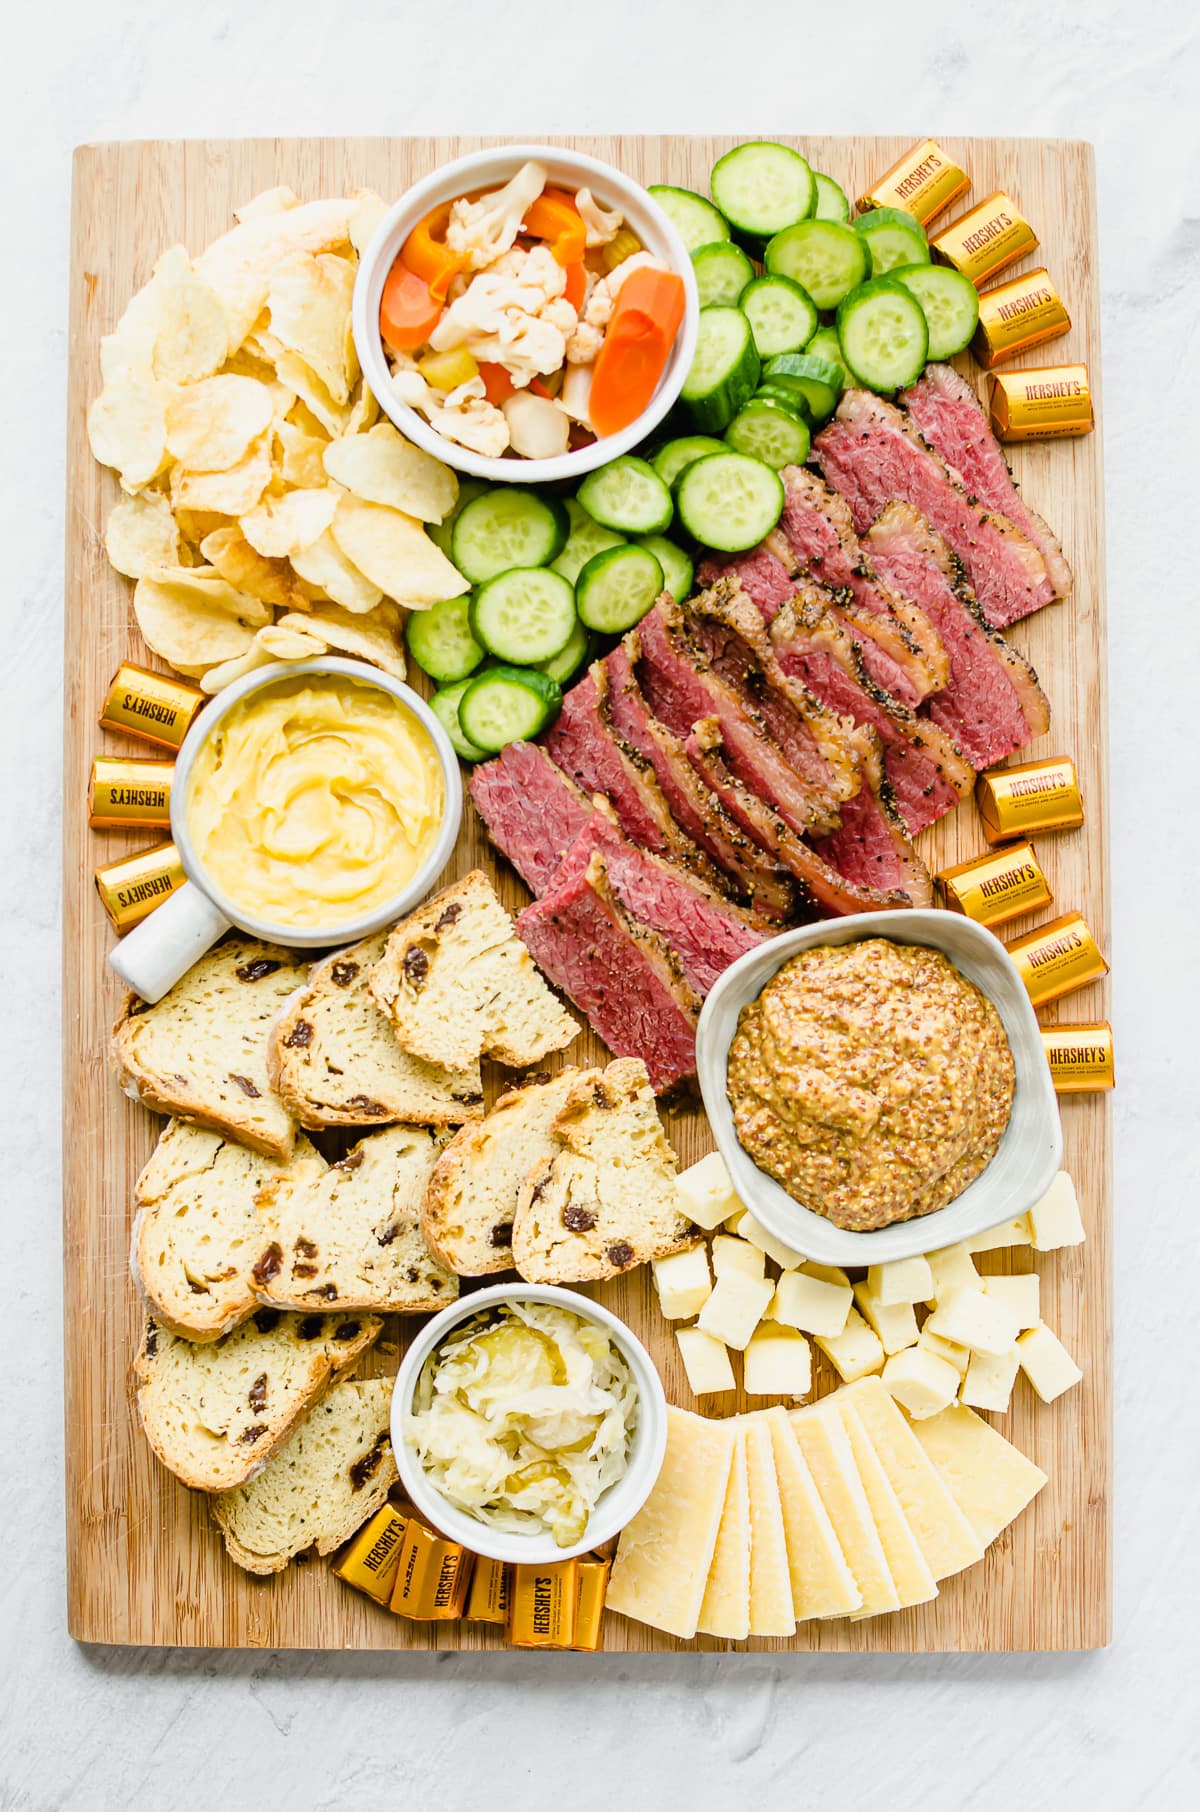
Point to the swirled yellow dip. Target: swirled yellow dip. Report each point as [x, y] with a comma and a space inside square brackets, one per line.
[315, 801]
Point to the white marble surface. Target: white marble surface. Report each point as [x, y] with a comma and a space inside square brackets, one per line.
[93, 1729]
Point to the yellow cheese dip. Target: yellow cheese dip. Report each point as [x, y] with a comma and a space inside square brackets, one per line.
[315, 801]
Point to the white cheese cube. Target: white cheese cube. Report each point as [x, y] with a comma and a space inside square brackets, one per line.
[705, 1361]
[952, 1269]
[972, 1319]
[855, 1352]
[957, 1356]
[753, 1230]
[1055, 1221]
[894, 1322]
[807, 1302]
[707, 1192]
[1046, 1362]
[730, 1254]
[735, 1308]
[777, 1363]
[989, 1380]
[1021, 1293]
[904, 1280]
[1008, 1233]
[921, 1383]
[733, 1222]
[827, 1273]
[683, 1283]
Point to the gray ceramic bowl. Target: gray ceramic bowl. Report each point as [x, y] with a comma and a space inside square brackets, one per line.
[1030, 1152]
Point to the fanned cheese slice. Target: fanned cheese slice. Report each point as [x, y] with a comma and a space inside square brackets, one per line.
[666, 1552]
[726, 1607]
[824, 1443]
[992, 1481]
[822, 1583]
[943, 1534]
[906, 1564]
[772, 1612]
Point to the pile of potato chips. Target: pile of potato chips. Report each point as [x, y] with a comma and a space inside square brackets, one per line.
[270, 515]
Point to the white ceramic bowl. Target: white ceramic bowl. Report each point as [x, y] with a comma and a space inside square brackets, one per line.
[616, 1506]
[1030, 1151]
[491, 170]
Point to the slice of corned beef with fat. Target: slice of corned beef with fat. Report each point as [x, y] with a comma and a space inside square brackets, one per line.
[993, 703]
[871, 846]
[623, 975]
[873, 455]
[947, 413]
[762, 575]
[531, 810]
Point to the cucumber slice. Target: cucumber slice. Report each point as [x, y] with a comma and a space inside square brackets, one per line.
[724, 370]
[885, 341]
[504, 527]
[789, 398]
[507, 704]
[892, 237]
[440, 533]
[762, 187]
[675, 455]
[769, 432]
[585, 538]
[722, 273]
[832, 201]
[826, 345]
[949, 302]
[825, 257]
[444, 705]
[566, 663]
[729, 501]
[782, 316]
[677, 569]
[525, 615]
[627, 495]
[617, 588]
[819, 383]
[695, 220]
[440, 641]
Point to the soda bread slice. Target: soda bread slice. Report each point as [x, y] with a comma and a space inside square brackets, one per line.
[606, 1199]
[457, 983]
[206, 1207]
[353, 1240]
[331, 1474]
[470, 1204]
[215, 1413]
[201, 1051]
[335, 1060]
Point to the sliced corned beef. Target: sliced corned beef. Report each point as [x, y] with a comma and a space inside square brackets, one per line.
[874, 455]
[871, 846]
[762, 574]
[623, 975]
[928, 775]
[947, 413]
[993, 703]
[530, 809]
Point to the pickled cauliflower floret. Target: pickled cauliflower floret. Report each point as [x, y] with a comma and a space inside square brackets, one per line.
[467, 418]
[517, 317]
[480, 231]
[603, 224]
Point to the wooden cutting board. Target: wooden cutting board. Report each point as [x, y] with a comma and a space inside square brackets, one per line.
[143, 1564]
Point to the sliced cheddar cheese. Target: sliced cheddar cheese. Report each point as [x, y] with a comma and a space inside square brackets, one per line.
[726, 1607]
[992, 1481]
[822, 1440]
[942, 1532]
[822, 1583]
[772, 1612]
[665, 1554]
[914, 1582]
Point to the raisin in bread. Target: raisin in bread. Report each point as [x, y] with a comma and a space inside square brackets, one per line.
[201, 1051]
[215, 1413]
[606, 1199]
[206, 1207]
[335, 1060]
[329, 1476]
[457, 983]
[471, 1202]
[353, 1240]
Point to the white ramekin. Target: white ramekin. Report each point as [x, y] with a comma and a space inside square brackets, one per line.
[617, 1506]
[491, 170]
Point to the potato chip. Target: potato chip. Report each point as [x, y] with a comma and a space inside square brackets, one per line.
[142, 535]
[309, 300]
[127, 429]
[239, 265]
[187, 626]
[205, 585]
[128, 351]
[302, 461]
[212, 425]
[229, 493]
[301, 416]
[271, 581]
[364, 413]
[215, 679]
[369, 210]
[271, 201]
[332, 416]
[373, 636]
[325, 564]
[193, 335]
[281, 526]
[289, 644]
[382, 467]
[395, 553]
[364, 403]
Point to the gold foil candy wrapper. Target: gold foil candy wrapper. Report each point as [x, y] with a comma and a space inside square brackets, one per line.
[491, 1592]
[131, 888]
[433, 1575]
[1018, 315]
[996, 887]
[594, 1570]
[1048, 403]
[126, 792]
[150, 706]
[1034, 796]
[544, 1605]
[371, 1561]
[1058, 958]
[924, 182]
[1080, 1057]
[994, 234]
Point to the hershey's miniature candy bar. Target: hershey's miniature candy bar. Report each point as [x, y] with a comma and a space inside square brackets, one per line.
[150, 706]
[491, 1589]
[982, 242]
[1018, 315]
[544, 1603]
[1045, 404]
[994, 888]
[372, 1558]
[1080, 1057]
[1033, 796]
[131, 888]
[1058, 958]
[128, 792]
[924, 182]
[432, 1577]
[594, 1570]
